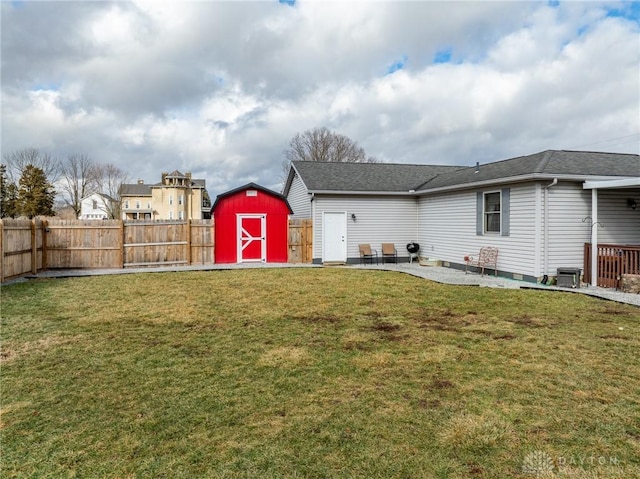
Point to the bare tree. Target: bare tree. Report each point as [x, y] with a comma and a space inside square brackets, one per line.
[322, 144]
[18, 161]
[109, 179]
[8, 195]
[79, 178]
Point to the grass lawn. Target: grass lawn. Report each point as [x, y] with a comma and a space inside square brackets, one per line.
[314, 373]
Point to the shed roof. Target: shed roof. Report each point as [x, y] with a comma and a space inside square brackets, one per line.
[251, 186]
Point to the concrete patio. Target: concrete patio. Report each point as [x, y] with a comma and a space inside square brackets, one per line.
[432, 273]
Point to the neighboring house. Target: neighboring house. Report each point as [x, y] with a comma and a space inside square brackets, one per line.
[176, 197]
[536, 209]
[96, 206]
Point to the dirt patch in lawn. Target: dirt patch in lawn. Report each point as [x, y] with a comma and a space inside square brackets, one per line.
[284, 357]
[12, 351]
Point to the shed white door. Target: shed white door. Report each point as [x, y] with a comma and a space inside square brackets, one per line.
[252, 238]
[334, 237]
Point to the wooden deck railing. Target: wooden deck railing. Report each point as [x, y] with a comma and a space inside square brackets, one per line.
[614, 260]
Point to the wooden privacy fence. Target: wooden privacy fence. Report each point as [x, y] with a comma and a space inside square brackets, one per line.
[150, 243]
[300, 241]
[22, 247]
[83, 243]
[29, 246]
[614, 261]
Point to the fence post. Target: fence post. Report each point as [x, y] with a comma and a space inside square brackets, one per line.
[121, 244]
[189, 241]
[45, 224]
[34, 248]
[1, 251]
[308, 233]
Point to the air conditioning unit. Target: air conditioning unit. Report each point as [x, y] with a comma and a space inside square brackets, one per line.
[568, 278]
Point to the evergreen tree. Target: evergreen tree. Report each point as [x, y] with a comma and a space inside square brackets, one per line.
[35, 195]
[8, 195]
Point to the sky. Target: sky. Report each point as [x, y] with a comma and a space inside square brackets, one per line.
[220, 88]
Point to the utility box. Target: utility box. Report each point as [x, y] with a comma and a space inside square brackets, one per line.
[568, 278]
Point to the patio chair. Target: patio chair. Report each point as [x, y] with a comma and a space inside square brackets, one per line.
[488, 257]
[389, 252]
[367, 254]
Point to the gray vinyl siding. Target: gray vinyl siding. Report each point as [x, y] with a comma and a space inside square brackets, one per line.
[569, 205]
[299, 199]
[447, 229]
[379, 219]
[620, 224]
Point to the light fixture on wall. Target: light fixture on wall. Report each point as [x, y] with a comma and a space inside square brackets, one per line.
[353, 217]
[631, 203]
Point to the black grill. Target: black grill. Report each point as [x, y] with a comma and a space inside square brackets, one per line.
[413, 247]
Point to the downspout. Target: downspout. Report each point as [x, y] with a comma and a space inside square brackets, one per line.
[313, 227]
[417, 229]
[594, 237]
[546, 224]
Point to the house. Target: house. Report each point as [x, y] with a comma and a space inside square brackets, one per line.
[252, 225]
[176, 197]
[96, 206]
[539, 210]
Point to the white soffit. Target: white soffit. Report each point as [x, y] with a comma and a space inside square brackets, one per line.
[603, 184]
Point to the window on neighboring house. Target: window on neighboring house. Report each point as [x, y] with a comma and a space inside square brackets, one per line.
[126, 204]
[95, 205]
[181, 199]
[180, 215]
[137, 204]
[170, 199]
[170, 215]
[148, 205]
[492, 212]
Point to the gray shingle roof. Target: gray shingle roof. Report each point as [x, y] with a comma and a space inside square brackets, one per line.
[366, 177]
[141, 189]
[394, 177]
[135, 189]
[549, 163]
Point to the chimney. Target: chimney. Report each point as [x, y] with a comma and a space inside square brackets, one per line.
[164, 175]
[477, 167]
[140, 182]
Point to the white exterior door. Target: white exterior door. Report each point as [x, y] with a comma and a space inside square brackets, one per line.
[334, 237]
[252, 238]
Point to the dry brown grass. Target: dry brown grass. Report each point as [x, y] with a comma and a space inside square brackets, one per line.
[295, 373]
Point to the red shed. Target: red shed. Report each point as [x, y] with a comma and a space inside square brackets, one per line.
[251, 224]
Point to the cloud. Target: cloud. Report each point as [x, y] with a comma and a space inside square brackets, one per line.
[220, 88]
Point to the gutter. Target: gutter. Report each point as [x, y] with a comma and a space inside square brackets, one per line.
[515, 179]
[470, 186]
[363, 193]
